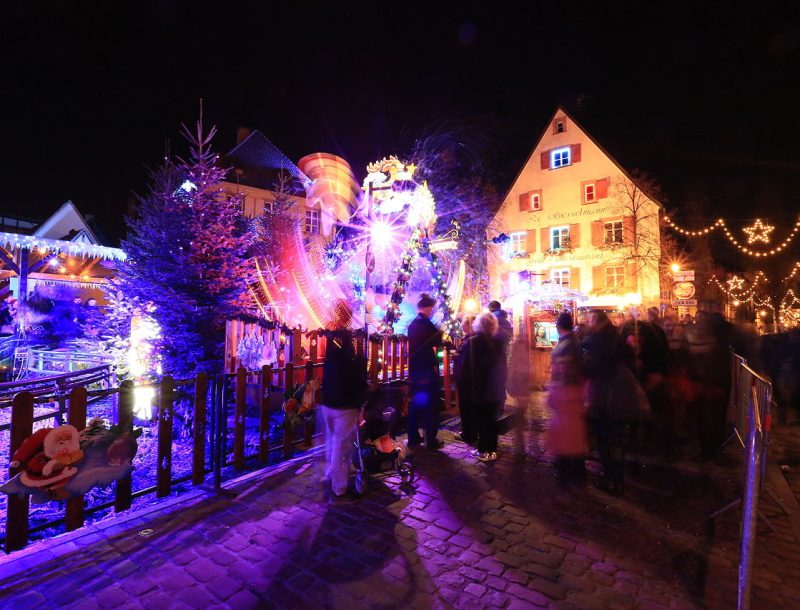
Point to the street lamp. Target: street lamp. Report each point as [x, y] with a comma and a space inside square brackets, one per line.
[675, 267]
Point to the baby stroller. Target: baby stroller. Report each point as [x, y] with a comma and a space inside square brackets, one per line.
[377, 454]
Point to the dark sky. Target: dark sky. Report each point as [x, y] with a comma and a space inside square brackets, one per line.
[706, 99]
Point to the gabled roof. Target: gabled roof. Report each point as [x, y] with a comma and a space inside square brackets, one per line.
[257, 162]
[560, 110]
[67, 224]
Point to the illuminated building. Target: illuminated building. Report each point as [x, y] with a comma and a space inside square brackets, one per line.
[578, 225]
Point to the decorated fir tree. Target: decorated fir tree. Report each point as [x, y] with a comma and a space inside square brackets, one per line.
[187, 257]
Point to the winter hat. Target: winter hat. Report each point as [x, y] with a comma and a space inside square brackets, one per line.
[30, 446]
[564, 321]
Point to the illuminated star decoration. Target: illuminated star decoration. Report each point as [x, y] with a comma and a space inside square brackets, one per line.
[758, 232]
[735, 283]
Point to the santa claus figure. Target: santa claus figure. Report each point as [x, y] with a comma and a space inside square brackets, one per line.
[48, 457]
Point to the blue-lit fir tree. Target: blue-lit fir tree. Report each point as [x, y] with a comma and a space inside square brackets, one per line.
[187, 257]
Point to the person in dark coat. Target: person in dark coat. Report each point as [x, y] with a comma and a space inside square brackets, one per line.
[469, 426]
[479, 382]
[568, 345]
[504, 331]
[424, 339]
[345, 380]
[602, 362]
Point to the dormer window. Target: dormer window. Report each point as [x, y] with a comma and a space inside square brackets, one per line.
[560, 127]
[560, 157]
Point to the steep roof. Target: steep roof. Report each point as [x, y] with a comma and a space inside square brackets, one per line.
[257, 162]
[560, 110]
[67, 224]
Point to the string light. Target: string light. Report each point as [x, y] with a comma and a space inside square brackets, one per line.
[757, 232]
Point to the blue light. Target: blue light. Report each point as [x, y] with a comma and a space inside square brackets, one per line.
[189, 186]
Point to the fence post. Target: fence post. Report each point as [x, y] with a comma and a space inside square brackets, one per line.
[238, 418]
[403, 356]
[122, 493]
[447, 387]
[77, 418]
[373, 361]
[165, 415]
[297, 346]
[199, 432]
[263, 414]
[18, 506]
[308, 428]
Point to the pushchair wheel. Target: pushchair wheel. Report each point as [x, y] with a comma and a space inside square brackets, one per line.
[406, 472]
[361, 482]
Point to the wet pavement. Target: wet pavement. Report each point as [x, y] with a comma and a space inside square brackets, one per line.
[466, 534]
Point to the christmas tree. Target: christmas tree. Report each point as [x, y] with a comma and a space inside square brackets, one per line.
[187, 258]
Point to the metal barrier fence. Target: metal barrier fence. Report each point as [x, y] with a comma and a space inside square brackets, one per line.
[755, 458]
[751, 404]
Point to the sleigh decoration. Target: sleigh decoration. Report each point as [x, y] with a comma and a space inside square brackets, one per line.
[60, 463]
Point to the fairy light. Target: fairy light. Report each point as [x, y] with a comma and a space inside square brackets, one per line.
[758, 232]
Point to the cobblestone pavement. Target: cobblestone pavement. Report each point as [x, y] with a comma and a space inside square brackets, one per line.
[466, 535]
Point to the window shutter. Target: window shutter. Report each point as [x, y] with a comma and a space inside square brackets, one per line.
[597, 233]
[545, 243]
[601, 188]
[598, 278]
[575, 153]
[525, 202]
[575, 278]
[627, 230]
[530, 241]
[546, 159]
[630, 277]
[575, 235]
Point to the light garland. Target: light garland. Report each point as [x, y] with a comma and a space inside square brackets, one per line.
[44, 246]
[757, 232]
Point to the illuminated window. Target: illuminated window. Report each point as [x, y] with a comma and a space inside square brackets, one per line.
[559, 238]
[560, 277]
[559, 157]
[589, 192]
[615, 277]
[613, 232]
[517, 242]
[312, 221]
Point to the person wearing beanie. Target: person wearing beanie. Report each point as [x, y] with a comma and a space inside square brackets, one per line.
[424, 339]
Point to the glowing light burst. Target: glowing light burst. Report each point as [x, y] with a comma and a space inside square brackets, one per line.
[758, 231]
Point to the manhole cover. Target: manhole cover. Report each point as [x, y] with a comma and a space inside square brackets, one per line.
[146, 533]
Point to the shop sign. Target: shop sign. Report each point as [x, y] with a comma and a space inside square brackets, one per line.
[683, 290]
[686, 303]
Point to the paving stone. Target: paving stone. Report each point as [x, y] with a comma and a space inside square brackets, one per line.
[204, 570]
[533, 597]
[138, 586]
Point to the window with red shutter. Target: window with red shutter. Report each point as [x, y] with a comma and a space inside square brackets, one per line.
[546, 159]
[602, 188]
[525, 202]
[576, 153]
[589, 192]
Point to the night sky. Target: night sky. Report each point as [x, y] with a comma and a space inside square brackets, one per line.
[704, 99]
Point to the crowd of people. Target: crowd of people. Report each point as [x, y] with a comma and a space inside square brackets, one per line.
[645, 379]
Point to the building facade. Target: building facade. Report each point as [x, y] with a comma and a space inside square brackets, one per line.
[579, 228]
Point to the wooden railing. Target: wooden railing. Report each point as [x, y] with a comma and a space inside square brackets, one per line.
[219, 406]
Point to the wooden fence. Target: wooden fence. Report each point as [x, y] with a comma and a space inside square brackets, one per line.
[219, 405]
